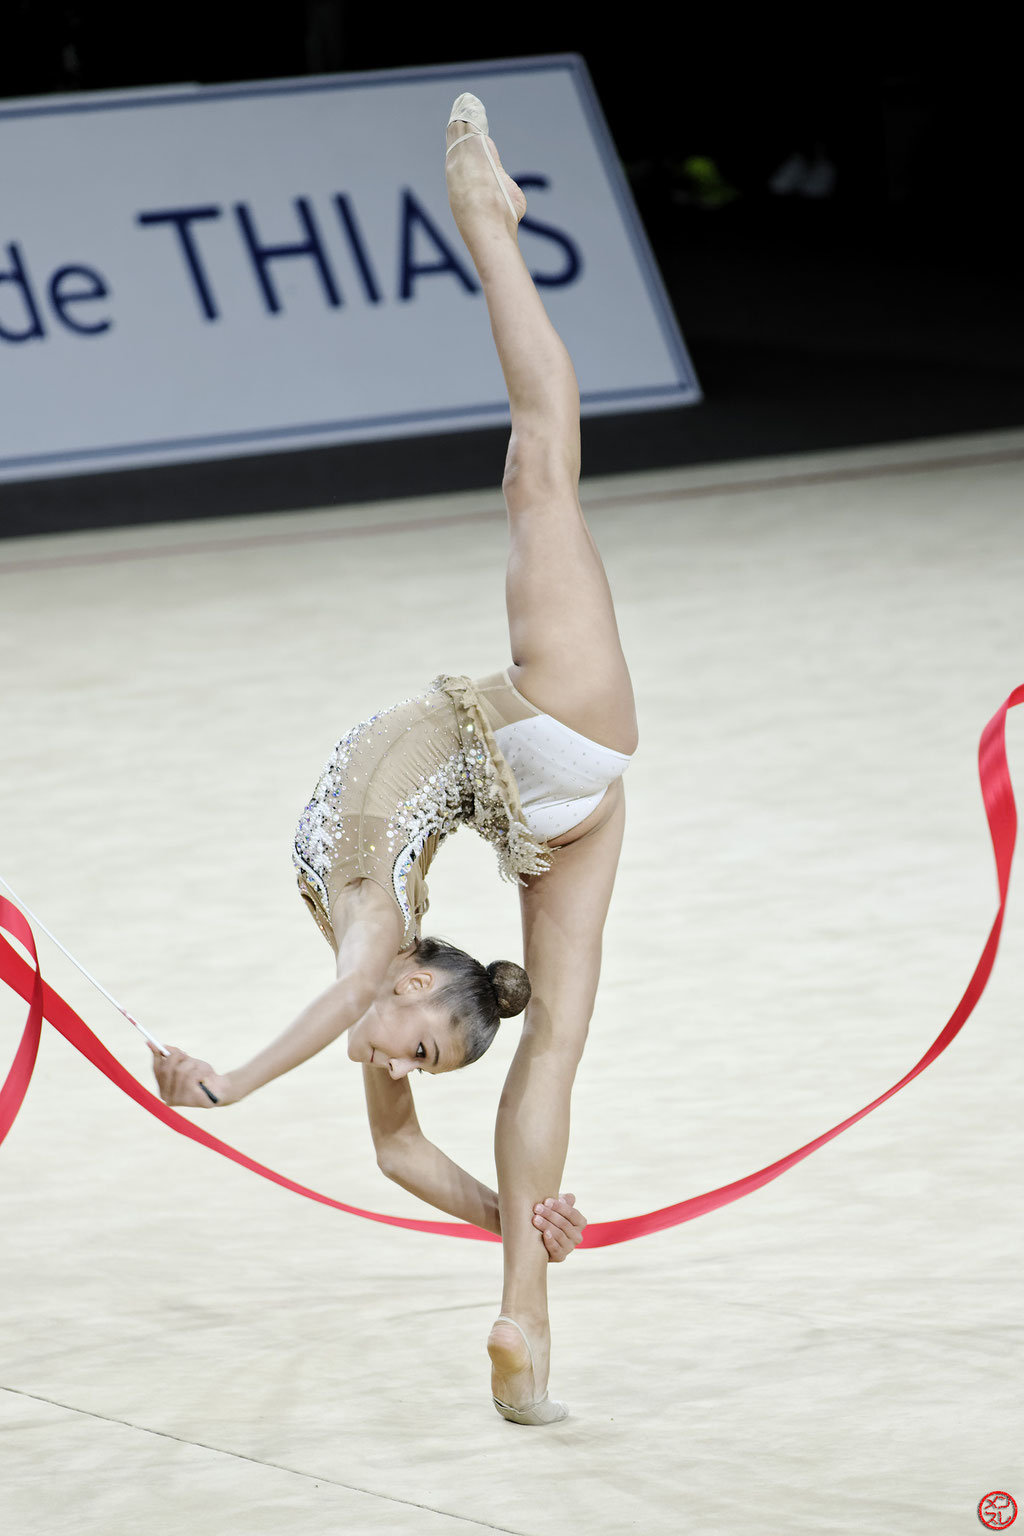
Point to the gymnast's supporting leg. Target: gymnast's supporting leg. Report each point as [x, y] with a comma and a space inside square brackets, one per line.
[568, 661]
[563, 915]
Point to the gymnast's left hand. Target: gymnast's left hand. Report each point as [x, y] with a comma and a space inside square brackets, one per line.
[560, 1224]
[178, 1077]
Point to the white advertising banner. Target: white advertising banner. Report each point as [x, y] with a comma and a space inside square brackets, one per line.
[206, 272]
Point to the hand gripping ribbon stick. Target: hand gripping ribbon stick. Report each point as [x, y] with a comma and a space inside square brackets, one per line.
[153, 1041]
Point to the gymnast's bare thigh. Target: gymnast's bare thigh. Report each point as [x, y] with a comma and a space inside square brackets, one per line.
[563, 913]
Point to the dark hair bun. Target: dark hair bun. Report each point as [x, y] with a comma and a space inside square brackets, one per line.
[511, 987]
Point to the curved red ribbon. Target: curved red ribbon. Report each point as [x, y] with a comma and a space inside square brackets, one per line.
[25, 979]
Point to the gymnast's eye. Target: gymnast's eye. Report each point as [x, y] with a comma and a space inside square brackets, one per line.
[421, 1052]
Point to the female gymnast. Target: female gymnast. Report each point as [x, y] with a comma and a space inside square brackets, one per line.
[531, 757]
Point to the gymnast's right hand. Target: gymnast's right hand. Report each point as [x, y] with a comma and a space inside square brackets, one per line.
[179, 1076]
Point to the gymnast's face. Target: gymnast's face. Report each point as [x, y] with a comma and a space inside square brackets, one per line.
[404, 1030]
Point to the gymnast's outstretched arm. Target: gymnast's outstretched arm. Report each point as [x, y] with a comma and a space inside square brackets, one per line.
[364, 956]
[318, 1025]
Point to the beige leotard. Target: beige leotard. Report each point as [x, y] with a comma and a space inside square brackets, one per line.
[401, 782]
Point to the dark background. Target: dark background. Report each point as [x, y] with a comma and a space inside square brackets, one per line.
[886, 311]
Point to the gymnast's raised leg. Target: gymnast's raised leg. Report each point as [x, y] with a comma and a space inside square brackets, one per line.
[568, 662]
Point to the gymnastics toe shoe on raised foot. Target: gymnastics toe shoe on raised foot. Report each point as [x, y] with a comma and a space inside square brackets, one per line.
[469, 109]
[545, 1410]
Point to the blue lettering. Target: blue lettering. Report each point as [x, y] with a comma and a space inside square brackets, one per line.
[181, 218]
[415, 216]
[60, 298]
[573, 259]
[262, 255]
[17, 275]
[359, 252]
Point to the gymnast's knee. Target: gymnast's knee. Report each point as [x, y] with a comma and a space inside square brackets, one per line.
[558, 1040]
[542, 461]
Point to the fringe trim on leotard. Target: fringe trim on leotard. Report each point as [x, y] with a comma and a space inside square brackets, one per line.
[497, 809]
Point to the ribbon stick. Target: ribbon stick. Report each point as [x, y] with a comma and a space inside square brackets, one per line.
[87, 974]
[27, 981]
[153, 1041]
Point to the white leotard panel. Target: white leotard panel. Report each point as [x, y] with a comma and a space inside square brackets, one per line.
[561, 775]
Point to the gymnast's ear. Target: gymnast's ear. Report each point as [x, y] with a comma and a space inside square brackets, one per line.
[413, 984]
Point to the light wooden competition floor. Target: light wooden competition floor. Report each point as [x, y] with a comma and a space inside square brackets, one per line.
[805, 888]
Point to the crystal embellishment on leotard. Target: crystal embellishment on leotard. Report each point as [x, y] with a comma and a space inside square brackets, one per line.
[497, 814]
[434, 810]
[468, 782]
[315, 841]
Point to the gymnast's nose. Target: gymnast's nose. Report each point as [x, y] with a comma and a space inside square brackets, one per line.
[400, 1066]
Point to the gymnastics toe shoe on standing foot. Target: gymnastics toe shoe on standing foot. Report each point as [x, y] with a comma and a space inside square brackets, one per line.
[545, 1410]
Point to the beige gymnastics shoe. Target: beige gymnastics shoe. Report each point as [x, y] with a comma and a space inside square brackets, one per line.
[469, 109]
[545, 1410]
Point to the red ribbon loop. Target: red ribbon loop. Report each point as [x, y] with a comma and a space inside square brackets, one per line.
[26, 980]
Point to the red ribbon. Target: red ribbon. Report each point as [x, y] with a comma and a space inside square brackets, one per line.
[26, 980]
